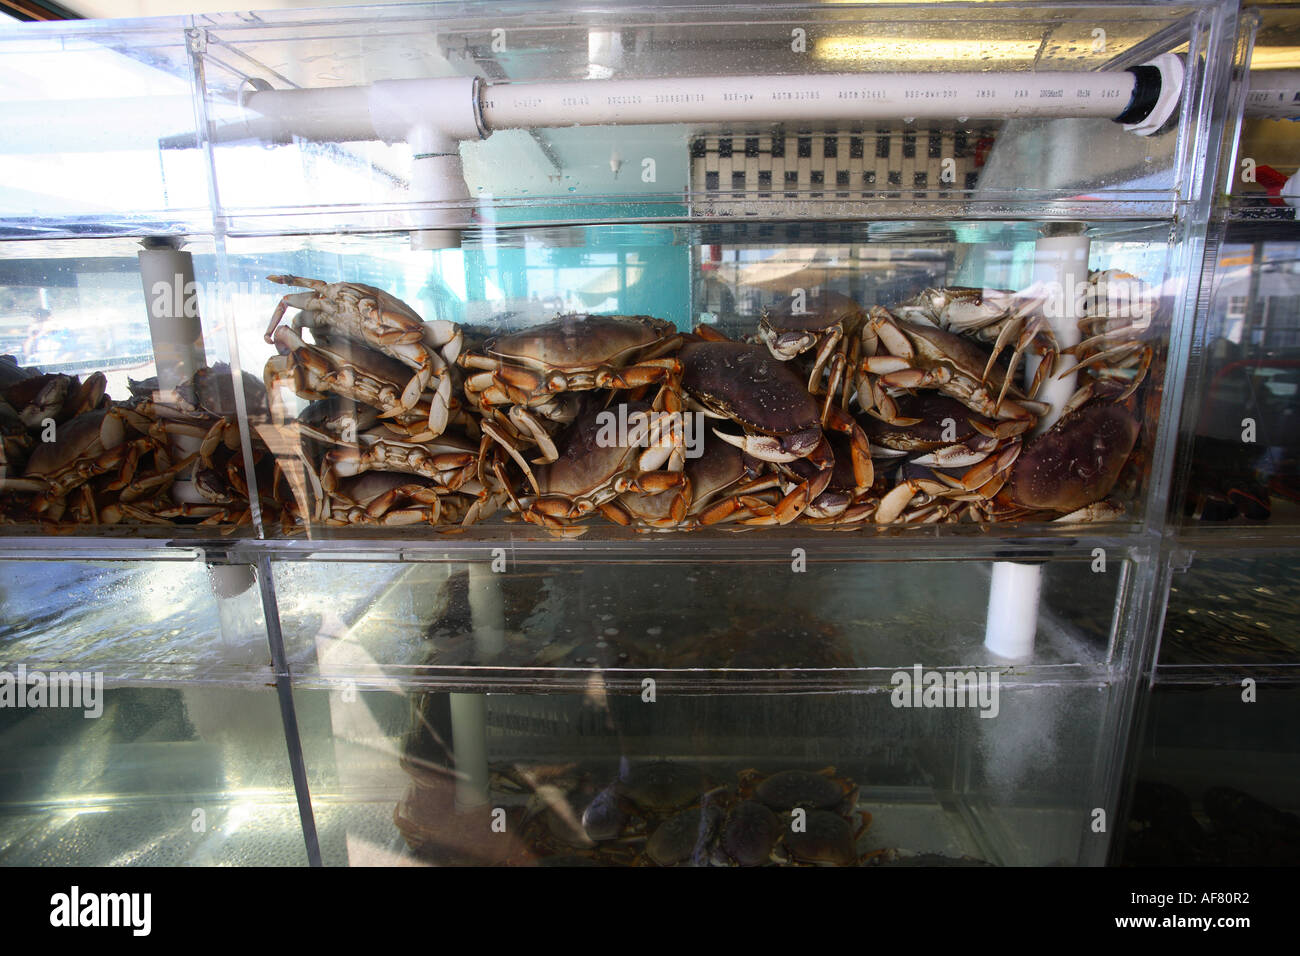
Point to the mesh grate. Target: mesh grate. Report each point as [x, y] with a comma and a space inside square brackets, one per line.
[742, 175]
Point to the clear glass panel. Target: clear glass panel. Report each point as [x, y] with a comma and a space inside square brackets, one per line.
[1217, 781]
[696, 624]
[1232, 611]
[135, 620]
[117, 393]
[932, 787]
[159, 777]
[1244, 420]
[294, 92]
[99, 132]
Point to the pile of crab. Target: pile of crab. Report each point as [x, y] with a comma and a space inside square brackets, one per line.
[673, 814]
[833, 415]
[385, 437]
[74, 457]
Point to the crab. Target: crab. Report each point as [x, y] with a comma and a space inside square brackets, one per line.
[530, 368]
[208, 393]
[384, 498]
[338, 366]
[839, 504]
[791, 789]
[1072, 466]
[748, 835]
[823, 839]
[674, 841]
[780, 419]
[39, 398]
[996, 318]
[590, 473]
[449, 462]
[199, 418]
[829, 322]
[93, 443]
[1112, 352]
[384, 322]
[924, 356]
[720, 489]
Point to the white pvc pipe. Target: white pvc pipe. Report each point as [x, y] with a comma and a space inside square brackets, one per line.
[437, 179]
[1061, 272]
[171, 299]
[1061, 266]
[487, 611]
[465, 108]
[469, 743]
[842, 97]
[1274, 94]
[1013, 609]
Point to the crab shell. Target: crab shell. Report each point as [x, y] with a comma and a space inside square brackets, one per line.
[933, 410]
[1077, 461]
[787, 333]
[587, 467]
[746, 384]
[826, 839]
[211, 391]
[581, 342]
[749, 834]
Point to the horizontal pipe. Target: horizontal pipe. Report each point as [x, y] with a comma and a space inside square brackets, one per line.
[1274, 94]
[838, 98]
[464, 110]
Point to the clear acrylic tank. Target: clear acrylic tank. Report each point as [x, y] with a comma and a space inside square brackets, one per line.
[874, 596]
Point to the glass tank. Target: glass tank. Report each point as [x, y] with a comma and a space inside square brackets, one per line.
[1213, 779]
[722, 435]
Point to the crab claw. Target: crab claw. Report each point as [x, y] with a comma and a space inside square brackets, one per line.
[774, 448]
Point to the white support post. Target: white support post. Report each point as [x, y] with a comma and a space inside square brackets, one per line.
[469, 711]
[1060, 265]
[167, 274]
[469, 743]
[239, 608]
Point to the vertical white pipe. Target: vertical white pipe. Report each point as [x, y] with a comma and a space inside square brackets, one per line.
[487, 611]
[469, 711]
[437, 177]
[1061, 267]
[171, 294]
[469, 742]
[1012, 620]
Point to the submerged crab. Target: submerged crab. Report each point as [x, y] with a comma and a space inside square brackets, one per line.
[994, 317]
[590, 473]
[829, 322]
[921, 356]
[384, 322]
[1072, 466]
[780, 419]
[531, 369]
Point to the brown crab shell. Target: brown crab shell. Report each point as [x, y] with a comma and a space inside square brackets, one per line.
[820, 313]
[826, 838]
[932, 408]
[1077, 461]
[745, 383]
[581, 341]
[211, 390]
[749, 833]
[88, 435]
[585, 465]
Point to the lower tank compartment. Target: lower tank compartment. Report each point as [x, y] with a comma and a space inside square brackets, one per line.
[1217, 778]
[161, 777]
[937, 786]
